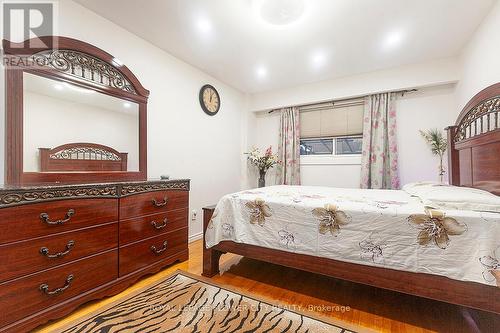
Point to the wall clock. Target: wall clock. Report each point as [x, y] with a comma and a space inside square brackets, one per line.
[209, 100]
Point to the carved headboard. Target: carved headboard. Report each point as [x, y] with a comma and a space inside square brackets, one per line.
[82, 156]
[474, 143]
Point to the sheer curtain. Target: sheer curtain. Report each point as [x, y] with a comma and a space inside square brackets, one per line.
[379, 163]
[289, 147]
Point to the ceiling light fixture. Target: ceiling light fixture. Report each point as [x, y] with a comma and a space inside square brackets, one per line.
[393, 39]
[204, 25]
[318, 59]
[261, 72]
[279, 12]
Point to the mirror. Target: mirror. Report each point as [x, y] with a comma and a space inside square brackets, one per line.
[71, 128]
[74, 114]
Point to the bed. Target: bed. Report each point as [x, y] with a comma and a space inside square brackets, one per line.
[80, 156]
[428, 240]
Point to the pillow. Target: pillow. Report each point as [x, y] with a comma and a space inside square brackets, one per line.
[442, 196]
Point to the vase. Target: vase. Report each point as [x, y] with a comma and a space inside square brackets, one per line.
[262, 178]
[441, 170]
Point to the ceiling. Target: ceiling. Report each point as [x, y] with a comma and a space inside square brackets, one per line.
[260, 45]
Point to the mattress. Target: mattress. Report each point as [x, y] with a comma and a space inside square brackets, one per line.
[382, 228]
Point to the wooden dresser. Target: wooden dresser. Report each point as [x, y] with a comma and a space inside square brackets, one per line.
[63, 245]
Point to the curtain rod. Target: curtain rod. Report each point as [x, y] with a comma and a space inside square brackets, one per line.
[402, 92]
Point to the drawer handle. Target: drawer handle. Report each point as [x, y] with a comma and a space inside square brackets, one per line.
[45, 251]
[45, 218]
[160, 204]
[160, 251]
[159, 226]
[45, 287]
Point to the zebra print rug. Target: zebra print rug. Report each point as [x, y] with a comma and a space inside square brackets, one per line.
[185, 303]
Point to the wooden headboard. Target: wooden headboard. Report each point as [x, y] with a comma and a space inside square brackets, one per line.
[474, 143]
[82, 157]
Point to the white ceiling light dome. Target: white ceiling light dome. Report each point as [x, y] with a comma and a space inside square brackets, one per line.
[261, 72]
[280, 12]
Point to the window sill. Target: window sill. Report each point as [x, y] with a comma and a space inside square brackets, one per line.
[330, 160]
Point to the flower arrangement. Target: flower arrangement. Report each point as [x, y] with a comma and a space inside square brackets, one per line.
[438, 145]
[263, 162]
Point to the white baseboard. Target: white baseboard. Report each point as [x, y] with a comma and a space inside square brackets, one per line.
[195, 237]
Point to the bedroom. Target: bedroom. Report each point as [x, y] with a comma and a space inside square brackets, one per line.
[312, 71]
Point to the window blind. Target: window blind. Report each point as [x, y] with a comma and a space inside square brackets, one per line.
[328, 122]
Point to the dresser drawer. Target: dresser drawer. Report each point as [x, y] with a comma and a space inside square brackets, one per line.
[21, 297]
[36, 220]
[139, 228]
[152, 202]
[33, 255]
[146, 252]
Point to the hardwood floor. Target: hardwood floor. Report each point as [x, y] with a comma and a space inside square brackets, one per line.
[378, 309]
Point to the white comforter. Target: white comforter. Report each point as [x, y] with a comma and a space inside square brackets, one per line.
[372, 227]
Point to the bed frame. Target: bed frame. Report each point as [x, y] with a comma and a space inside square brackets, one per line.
[474, 161]
[82, 157]
[474, 143]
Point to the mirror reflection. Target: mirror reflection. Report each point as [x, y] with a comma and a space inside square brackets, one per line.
[70, 128]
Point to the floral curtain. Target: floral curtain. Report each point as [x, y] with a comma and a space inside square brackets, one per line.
[289, 147]
[379, 163]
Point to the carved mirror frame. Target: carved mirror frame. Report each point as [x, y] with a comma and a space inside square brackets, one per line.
[81, 64]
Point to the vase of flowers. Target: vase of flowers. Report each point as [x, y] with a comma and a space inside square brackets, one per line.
[438, 145]
[263, 162]
[262, 178]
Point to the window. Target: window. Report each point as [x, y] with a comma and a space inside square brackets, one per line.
[331, 146]
[348, 146]
[316, 146]
[331, 129]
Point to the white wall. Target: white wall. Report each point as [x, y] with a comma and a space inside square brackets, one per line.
[480, 59]
[183, 141]
[342, 172]
[428, 108]
[70, 122]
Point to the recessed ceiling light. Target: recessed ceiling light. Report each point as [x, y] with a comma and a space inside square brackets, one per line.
[393, 39]
[261, 72]
[318, 59]
[204, 25]
[280, 12]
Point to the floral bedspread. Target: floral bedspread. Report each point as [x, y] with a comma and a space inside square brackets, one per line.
[372, 227]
